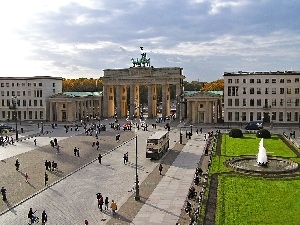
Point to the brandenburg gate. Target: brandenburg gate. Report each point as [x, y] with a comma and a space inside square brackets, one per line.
[116, 83]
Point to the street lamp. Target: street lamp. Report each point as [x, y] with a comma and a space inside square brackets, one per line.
[14, 101]
[42, 131]
[137, 188]
[191, 129]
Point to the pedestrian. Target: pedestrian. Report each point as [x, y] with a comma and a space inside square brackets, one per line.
[113, 207]
[97, 144]
[31, 216]
[49, 165]
[3, 192]
[160, 168]
[94, 143]
[55, 141]
[17, 164]
[46, 178]
[98, 195]
[106, 203]
[124, 158]
[44, 217]
[35, 142]
[26, 177]
[86, 222]
[75, 151]
[78, 152]
[46, 164]
[100, 203]
[100, 158]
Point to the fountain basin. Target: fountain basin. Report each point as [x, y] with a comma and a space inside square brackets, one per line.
[275, 165]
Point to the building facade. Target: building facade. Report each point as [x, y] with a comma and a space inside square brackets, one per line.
[269, 96]
[30, 94]
[74, 106]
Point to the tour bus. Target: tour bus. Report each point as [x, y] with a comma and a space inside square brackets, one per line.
[157, 145]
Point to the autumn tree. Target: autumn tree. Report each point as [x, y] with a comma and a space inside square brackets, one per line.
[82, 85]
[217, 85]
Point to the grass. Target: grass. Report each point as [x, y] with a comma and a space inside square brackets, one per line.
[244, 199]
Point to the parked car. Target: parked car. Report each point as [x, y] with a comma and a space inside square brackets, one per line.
[6, 127]
[254, 125]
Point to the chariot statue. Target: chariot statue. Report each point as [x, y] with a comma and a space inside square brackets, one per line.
[143, 61]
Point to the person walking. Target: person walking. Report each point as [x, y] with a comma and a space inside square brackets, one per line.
[86, 222]
[106, 201]
[78, 152]
[46, 164]
[160, 168]
[46, 178]
[100, 203]
[113, 207]
[3, 192]
[17, 164]
[44, 217]
[35, 142]
[31, 216]
[97, 144]
[26, 177]
[75, 151]
[124, 158]
[100, 158]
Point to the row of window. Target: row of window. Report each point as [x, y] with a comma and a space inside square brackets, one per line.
[23, 115]
[36, 93]
[25, 103]
[266, 81]
[265, 104]
[233, 91]
[238, 117]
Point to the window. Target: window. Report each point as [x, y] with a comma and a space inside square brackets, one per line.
[18, 93]
[41, 115]
[244, 81]
[288, 80]
[258, 81]
[35, 103]
[289, 102]
[296, 117]
[24, 93]
[266, 81]
[23, 85]
[236, 116]
[251, 102]
[13, 84]
[266, 91]
[229, 116]
[35, 115]
[7, 93]
[273, 116]
[3, 114]
[251, 81]
[244, 91]
[251, 116]
[281, 102]
[251, 91]
[24, 102]
[296, 90]
[236, 102]
[297, 102]
[258, 115]
[41, 93]
[7, 84]
[2, 84]
[281, 80]
[53, 90]
[29, 93]
[274, 102]
[229, 102]
[258, 91]
[29, 85]
[34, 84]
[53, 85]
[273, 81]
[296, 80]
[236, 81]
[288, 116]
[289, 90]
[273, 91]
[30, 115]
[24, 115]
[7, 102]
[64, 105]
[243, 116]
[3, 102]
[29, 102]
[13, 93]
[2, 93]
[229, 81]
[244, 102]
[281, 90]
[40, 84]
[280, 116]
[41, 102]
[258, 102]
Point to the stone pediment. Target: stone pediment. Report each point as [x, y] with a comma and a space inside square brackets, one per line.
[201, 95]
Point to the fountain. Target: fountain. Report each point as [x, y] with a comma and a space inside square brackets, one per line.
[261, 164]
[262, 159]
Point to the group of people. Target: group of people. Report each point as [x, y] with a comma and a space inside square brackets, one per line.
[76, 152]
[96, 143]
[51, 166]
[125, 157]
[101, 201]
[6, 139]
[33, 218]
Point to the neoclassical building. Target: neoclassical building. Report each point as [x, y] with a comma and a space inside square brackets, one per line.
[116, 83]
[74, 106]
[204, 107]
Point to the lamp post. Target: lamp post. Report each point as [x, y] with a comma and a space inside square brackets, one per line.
[14, 101]
[191, 129]
[42, 130]
[137, 188]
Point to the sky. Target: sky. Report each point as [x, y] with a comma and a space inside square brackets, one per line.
[81, 38]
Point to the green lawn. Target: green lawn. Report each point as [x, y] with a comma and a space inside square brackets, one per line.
[248, 200]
